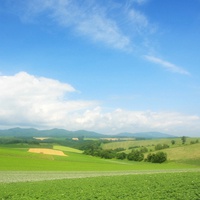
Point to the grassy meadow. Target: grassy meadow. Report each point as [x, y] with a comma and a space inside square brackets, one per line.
[150, 144]
[19, 159]
[25, 175]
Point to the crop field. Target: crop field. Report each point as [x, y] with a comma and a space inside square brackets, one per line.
[28, 175]
[168, 186]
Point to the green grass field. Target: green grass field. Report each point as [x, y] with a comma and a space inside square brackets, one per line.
[147, 143]
[25, 175]
[67, 149]
[19, 159]
[168, 186]
[178, 152]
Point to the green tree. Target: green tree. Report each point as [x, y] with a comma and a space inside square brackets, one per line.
[173, 142]
[135, 155]
[158, 147]
[161, 146]
[158, 157]
[183, 138]
[143, 149]
[121, 156]
[108, 154]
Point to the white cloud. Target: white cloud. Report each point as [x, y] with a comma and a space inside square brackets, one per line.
[30, 101]
[167, 65]
[138, 121]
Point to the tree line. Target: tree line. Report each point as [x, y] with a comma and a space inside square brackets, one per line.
[95, 149]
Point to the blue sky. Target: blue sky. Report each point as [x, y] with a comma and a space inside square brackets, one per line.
[107, 66]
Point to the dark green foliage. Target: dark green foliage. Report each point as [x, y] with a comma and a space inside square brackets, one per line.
[183, 138]
[121, 156]
[19, 140]
[92, 148]
[135, 155]
[119, 149]
[173, 142]
[108, 154]
[143, 150]
[158, 157]
[134, 147]
[194, 141]
[161, 146]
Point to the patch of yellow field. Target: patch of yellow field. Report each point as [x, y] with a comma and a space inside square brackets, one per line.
[47, 151]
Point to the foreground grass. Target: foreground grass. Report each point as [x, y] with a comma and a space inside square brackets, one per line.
[170, 186]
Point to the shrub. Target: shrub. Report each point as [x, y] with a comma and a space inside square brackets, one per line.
[135, 155]
[161, 146]
[119, 149]
[143, 150]
[173, 142]
[121, 156]
[158, 157]
[108, 154]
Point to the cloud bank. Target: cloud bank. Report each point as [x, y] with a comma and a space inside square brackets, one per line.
[39, 102]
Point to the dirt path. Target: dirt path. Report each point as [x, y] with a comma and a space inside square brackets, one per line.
[29, 176]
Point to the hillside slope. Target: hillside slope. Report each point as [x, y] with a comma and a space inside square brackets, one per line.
[184, 152]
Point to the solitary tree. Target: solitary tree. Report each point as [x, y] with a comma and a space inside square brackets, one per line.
[183, 138]
[173, 142]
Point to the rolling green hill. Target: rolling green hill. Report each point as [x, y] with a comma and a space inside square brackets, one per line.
[31, 132]
[184, 152]
[178, 152]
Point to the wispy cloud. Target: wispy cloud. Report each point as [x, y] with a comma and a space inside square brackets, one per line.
[167, 65]
[87, 18]
[117, 25]
[140, 1]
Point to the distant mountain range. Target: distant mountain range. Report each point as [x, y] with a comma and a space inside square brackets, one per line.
[31, 132]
